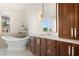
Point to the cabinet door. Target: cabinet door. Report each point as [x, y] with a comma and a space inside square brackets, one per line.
[63, 49]
[32, 45]
[28, 45]
[50, 48]
[75, 50]
[42, 47]
[37, 53]
[76, 29]
[66, 20]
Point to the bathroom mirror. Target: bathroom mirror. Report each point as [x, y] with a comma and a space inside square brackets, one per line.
[49, 21]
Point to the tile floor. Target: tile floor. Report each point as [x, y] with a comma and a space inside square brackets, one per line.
[5, 52]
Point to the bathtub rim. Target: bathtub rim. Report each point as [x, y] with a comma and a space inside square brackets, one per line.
[11, 38]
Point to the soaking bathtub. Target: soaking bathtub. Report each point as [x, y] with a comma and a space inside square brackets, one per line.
[16, 43]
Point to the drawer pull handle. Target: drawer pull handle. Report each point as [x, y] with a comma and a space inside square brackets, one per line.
[75, 32]
[38, 41]
[69, 50]
[49, 50]
[72, 51]
[49, 42]
[71, 32]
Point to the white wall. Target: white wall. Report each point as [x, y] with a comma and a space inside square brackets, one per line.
[17, 17]
[32, 17]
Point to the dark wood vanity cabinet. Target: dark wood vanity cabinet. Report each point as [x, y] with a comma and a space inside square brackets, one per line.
[63, 49]
[76, 29]
[32, 44]
[50, 47]
[42, 46]
[42, 52]
[47, 47]
[75, 50]
[38, 46]
[69, 24]
[67, 49]
[66, 19]
[69, 20]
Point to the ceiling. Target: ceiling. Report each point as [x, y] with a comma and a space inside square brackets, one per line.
[23, 6]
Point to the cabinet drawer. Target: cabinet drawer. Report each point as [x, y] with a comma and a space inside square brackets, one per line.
[64, 49]
[50, 52]
[37, 53]
[50, 43]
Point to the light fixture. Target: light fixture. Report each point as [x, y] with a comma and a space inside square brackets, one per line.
[41, 14]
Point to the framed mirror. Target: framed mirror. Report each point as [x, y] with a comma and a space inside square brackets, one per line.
[49, 20]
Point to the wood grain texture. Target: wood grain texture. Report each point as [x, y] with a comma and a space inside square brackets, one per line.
[66, 19]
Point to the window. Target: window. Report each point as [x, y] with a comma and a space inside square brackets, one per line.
[5, 23]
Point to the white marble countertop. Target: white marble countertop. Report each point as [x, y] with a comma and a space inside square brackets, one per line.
[55, 37]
